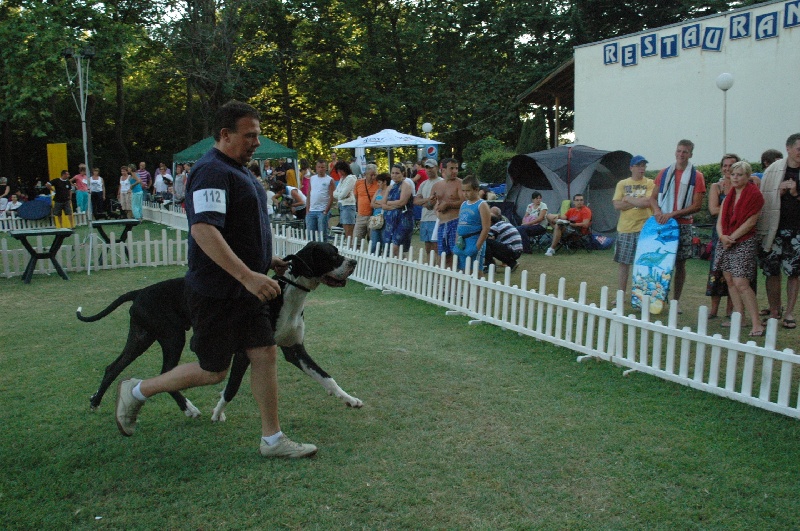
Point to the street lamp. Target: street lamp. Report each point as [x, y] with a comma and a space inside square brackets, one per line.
[427, 127]
[724, 83]
[81, 59]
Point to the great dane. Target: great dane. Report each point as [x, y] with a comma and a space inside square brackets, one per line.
[159, 313]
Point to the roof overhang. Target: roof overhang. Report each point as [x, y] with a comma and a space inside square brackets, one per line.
[557, 85]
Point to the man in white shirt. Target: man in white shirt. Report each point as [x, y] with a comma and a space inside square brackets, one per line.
[423, 198]
[320, 200]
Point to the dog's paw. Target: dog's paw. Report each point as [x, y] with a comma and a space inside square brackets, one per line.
[218, 416]
[191, 411]
[351, 401]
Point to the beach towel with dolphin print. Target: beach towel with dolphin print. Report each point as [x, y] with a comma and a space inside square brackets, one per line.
[654, 263]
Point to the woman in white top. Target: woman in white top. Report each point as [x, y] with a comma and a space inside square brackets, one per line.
[162, 181]
[346, 198]
[97, 189]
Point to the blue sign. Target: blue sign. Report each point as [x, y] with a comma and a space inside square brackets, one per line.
[740, 26]
[767, 26]
[669, 46]
[610, 54]
[629, 55]
[650, 45]
[791, 14]
[712, 39]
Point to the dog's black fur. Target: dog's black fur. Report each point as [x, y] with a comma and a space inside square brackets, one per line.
[159, 313]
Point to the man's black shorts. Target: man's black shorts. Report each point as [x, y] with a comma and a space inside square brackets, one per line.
[223, 327]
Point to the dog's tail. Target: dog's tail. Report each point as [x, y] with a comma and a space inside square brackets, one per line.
[122, 299]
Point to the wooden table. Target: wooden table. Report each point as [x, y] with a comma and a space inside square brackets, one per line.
[126, 224]
[59, 236]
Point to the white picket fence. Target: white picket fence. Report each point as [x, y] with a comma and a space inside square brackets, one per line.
[12, 222]
[761, 376]
[76, 253]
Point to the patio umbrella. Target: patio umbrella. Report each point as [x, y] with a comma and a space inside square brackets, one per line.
[388, 138]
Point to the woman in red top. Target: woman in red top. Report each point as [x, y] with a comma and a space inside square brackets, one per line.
[736, 257]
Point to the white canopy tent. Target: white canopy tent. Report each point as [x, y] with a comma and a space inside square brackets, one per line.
[387, 139]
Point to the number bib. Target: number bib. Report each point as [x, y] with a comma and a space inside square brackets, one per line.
[209, 200]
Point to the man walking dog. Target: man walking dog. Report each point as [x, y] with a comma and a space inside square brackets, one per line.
[230, 253]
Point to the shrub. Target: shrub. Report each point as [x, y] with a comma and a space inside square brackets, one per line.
[493, 164]
[474, 151]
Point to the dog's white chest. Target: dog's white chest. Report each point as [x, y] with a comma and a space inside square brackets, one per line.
[290, 326]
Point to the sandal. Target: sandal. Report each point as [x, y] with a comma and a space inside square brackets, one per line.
[757, 333]
[765, 312]
[710, 317]
[790, 324]
[725, 324]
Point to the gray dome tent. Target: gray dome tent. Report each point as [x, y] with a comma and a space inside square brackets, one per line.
[562, 172]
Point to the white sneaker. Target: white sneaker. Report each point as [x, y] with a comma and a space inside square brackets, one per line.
[550, 252]
[127, 407]
[285, 447]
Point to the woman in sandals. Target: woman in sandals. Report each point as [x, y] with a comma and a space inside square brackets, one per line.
[738, 248]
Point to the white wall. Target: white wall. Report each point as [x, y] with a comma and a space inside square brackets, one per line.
[647, 107]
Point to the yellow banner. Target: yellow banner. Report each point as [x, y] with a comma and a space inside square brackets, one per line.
[56, 160]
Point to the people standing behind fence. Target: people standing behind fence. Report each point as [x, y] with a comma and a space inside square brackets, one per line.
[125, 192]
[179, 184]
[97, 191]
[779, 228]
[504, 242]
[289, 200]
[427, 201]
[376, 237]
[305, 176]
[137, 189]
[677, 197]
[11, 206]
[346, 198]
[737, 250]
[80, 183]
[320, 201]
[145, 179]
[5, 192]
[767, 158]
[364, 190]
[161, 181]
[474, 222]
[717, 286]
[575, 223]
[534, 222]
[398, 211]
[62, 200]
[449, 197]
[632, 199]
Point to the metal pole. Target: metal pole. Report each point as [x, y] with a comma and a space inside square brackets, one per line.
[724, 121]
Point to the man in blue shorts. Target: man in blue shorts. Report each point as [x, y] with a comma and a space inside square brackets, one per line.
[230, 253]
[449, 197]
[424, 198]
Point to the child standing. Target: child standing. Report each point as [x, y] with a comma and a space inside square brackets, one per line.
[474, 222]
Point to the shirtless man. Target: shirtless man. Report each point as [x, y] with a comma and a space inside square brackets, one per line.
[448, 197]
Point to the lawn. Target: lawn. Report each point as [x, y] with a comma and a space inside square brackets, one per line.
[462, 427]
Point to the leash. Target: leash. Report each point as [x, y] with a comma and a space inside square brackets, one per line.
[282, 278]
[291, 258]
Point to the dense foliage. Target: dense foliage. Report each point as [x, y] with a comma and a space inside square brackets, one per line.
[320, 71]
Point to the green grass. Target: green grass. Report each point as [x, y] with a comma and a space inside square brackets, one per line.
[462, 427]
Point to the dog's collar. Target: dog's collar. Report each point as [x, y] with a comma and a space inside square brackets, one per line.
[282, 278]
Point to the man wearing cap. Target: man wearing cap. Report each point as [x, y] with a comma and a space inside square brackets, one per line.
[448, 197]
[425, 199]
[632, 199]
[678, 193]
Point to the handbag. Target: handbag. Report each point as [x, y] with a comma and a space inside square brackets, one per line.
[375, 222]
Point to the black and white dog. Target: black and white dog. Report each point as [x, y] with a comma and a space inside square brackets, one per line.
[159, 313]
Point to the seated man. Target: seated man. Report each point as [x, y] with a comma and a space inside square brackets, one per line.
[574, 224]
[504, 242]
